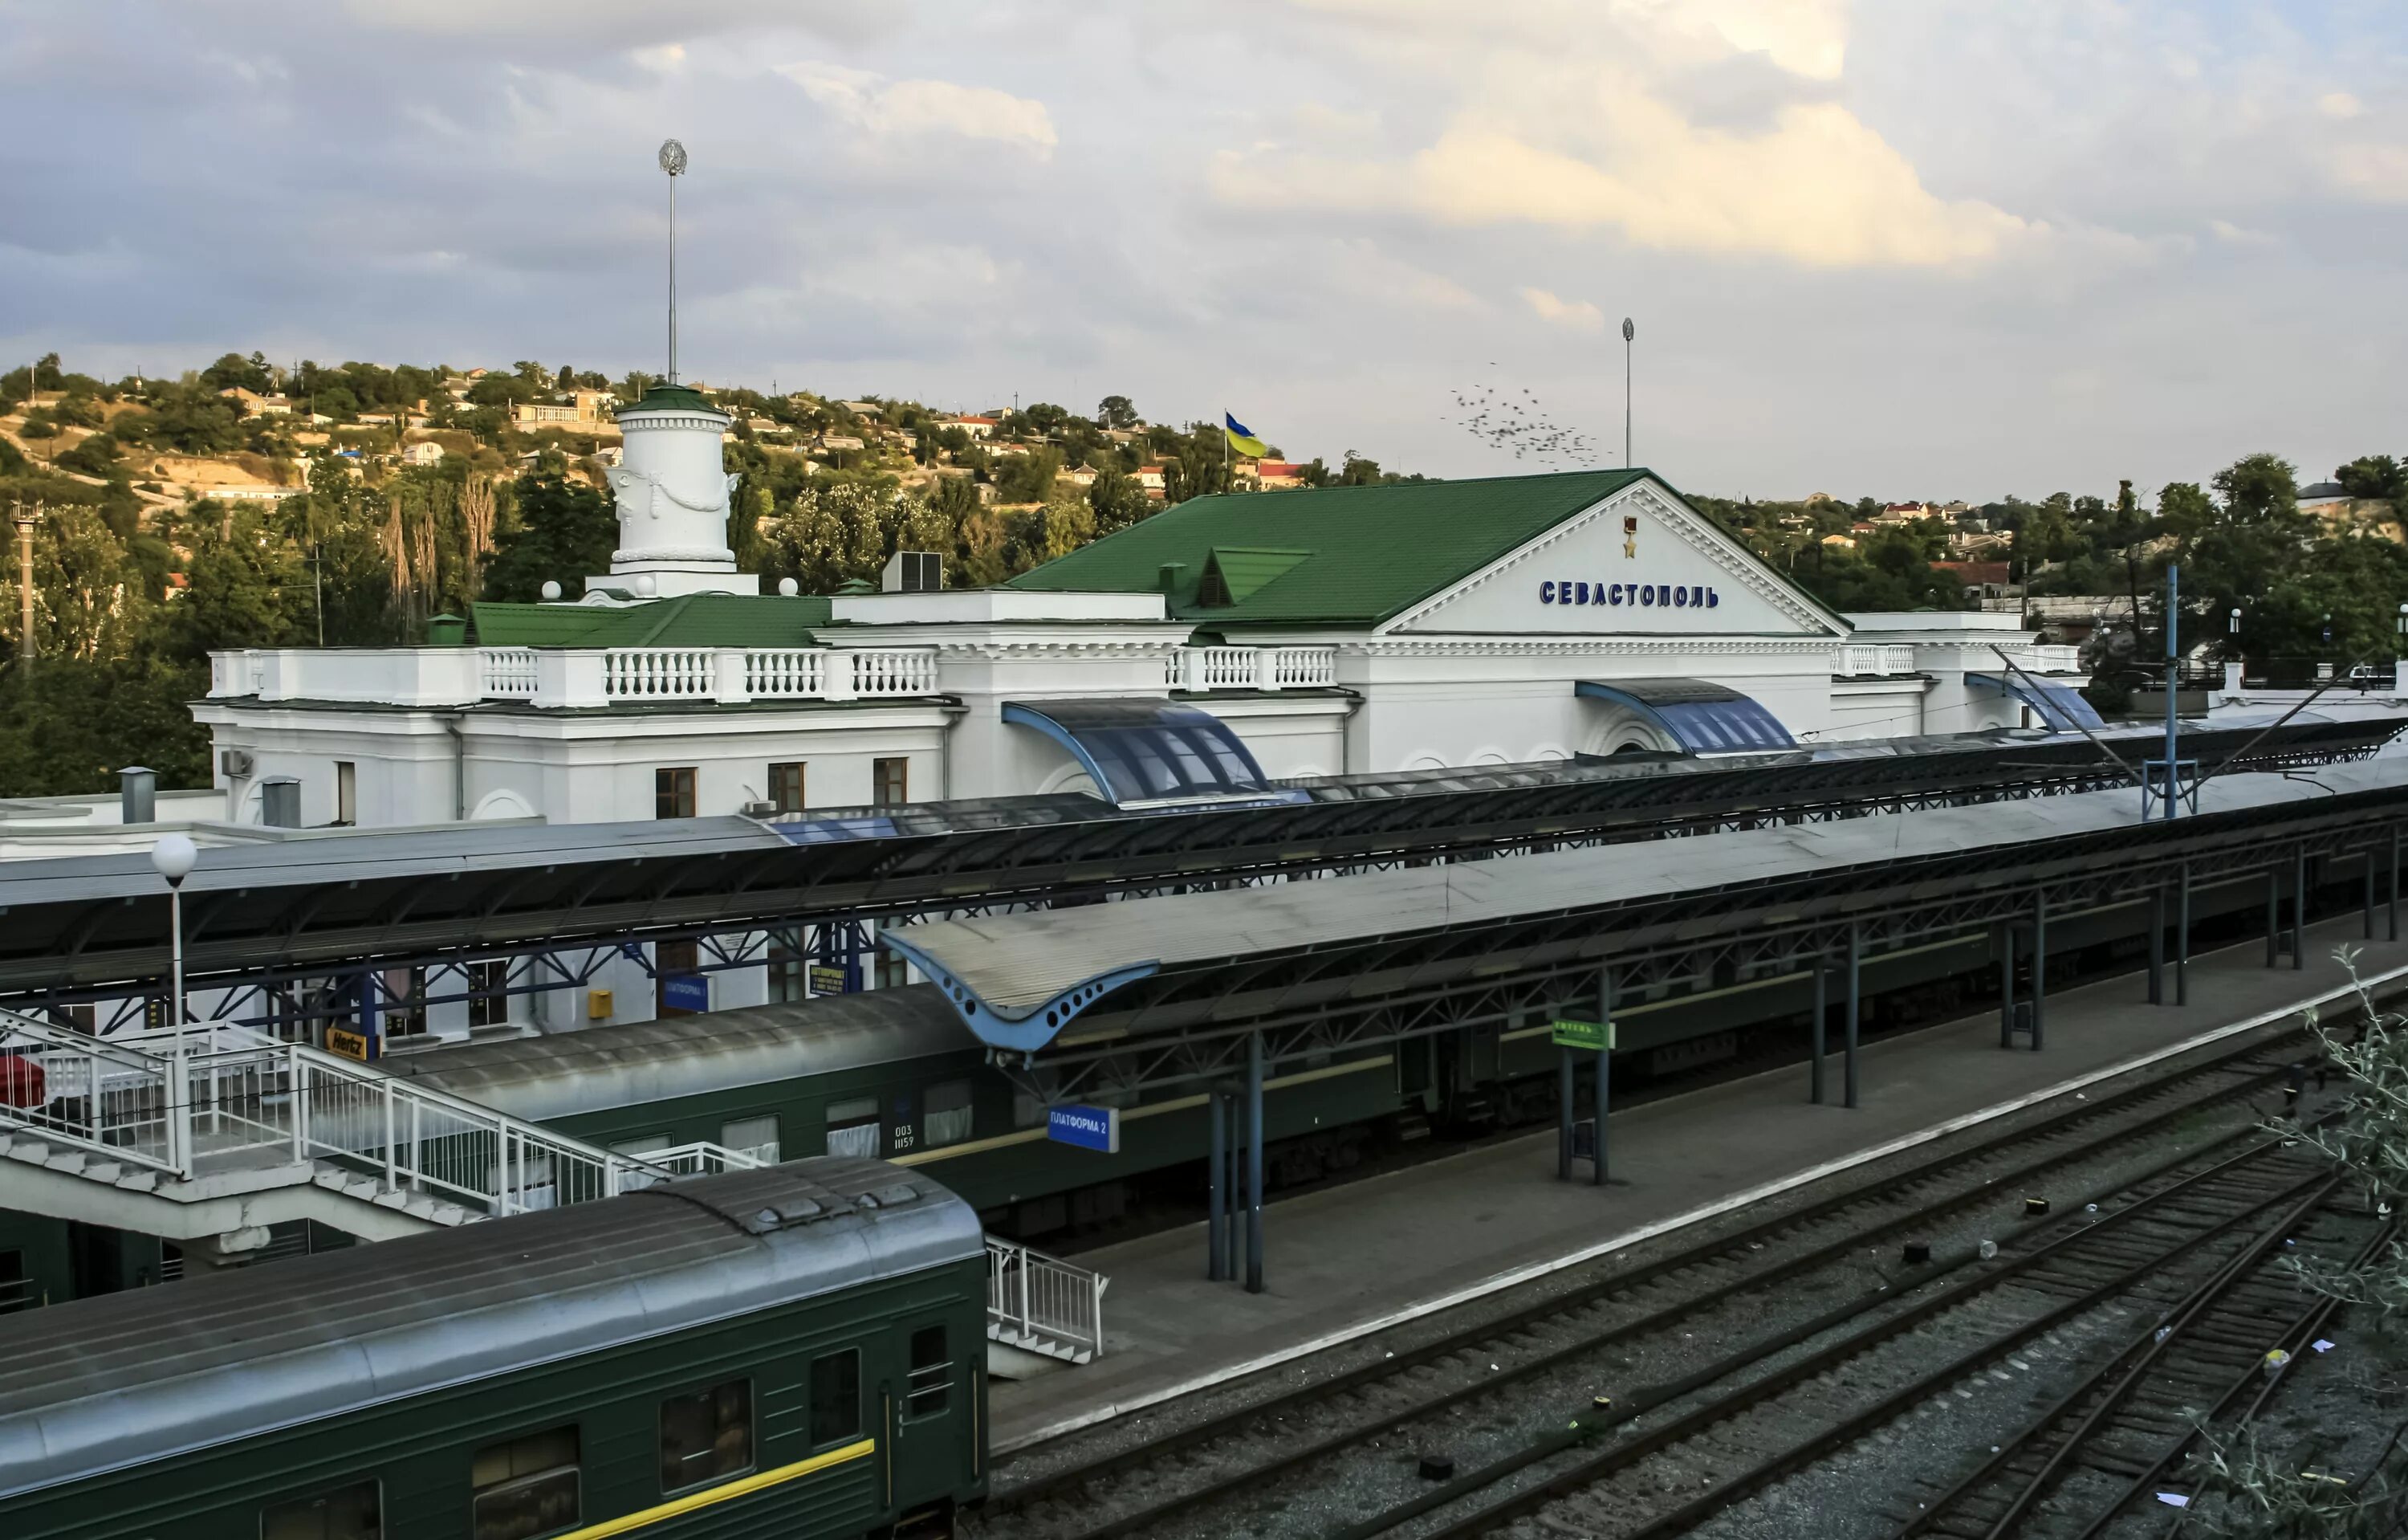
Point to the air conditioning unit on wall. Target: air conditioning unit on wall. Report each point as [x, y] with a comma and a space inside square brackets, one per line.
[236, 763]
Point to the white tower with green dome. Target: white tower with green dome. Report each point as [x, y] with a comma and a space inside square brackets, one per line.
[672, 492]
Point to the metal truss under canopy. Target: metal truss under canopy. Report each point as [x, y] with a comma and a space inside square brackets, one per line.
[1212, 962]
[1700, 716]
[303, 904]
[2060, 705]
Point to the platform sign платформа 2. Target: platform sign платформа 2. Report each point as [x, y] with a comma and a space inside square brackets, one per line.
[1096, 1129]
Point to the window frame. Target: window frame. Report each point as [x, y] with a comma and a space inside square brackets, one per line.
[897, 767]
[777, 1130]
[969, 1106]
[801, 776]
[674, 788]
[944, 1388]
[752, 1434]
[489, 1010]
[375, 1484]
[574, 1429]
[810, 1401]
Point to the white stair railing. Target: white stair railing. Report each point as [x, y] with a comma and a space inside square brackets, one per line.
[1031, 1295]
[246, 1103]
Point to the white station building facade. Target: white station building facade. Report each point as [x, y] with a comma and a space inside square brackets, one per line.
[1207, 654]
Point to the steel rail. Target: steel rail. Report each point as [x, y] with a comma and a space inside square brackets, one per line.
[1732, 1245]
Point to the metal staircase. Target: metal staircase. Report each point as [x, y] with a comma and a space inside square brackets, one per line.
[1043, 1304]
[216, 1133]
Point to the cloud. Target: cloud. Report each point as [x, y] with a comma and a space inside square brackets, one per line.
[1580, 315]
[900, 109]
[2235, 235]
[2339, 104]
[2377, 173]
[1819, 189]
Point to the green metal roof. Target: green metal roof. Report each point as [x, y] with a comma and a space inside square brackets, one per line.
[665, 397]
[695, 620]
[1245, 569]
[1364, 554]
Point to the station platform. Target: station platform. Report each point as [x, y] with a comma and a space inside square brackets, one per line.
[1347, 1260]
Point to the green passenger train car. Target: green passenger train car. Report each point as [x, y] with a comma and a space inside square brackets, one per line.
[787, 1351]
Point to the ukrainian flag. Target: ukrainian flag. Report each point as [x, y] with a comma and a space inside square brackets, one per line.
[1242, 440]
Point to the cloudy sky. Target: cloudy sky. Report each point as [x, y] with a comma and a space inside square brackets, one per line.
[1943, 248]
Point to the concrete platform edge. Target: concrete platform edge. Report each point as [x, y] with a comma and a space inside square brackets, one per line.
[1509, 1278]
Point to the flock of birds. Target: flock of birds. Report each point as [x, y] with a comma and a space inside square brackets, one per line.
[1508, 418]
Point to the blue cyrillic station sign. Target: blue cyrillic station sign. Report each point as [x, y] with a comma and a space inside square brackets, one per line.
[1666, 595]
[1096, 1129]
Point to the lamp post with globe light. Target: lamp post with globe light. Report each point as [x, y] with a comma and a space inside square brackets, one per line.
[1629, 332]
[173, 856]
[673, 162]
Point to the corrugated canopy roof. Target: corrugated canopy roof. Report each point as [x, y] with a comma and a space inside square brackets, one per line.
[1022, 969]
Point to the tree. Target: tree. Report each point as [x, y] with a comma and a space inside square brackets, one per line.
[2375, 475]
[1116, 501]
[1028, 478]
[1048, 419]
[233, 371]
[563, 531]
[845, 532]
[1116, 411]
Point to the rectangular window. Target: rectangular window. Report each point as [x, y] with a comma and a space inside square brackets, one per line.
[678, 988]
[525, 1487]
[401, 1001]
[705, 1436]
[754, 1136]
[929, 1390]
[347, 794]
[353, 1513]
[673, 793]
[945, 1112]
[786, 787]
[890, 781]
[893, 969]
[852, 1128]
[836, 1399]
[16, 1289]
[788, 966]
[488, 1006]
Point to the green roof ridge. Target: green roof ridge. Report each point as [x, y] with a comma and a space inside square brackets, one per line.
[668, 398]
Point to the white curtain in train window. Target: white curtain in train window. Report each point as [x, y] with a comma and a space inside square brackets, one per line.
[947, 1113]
[754, 1136]
[852, 1128]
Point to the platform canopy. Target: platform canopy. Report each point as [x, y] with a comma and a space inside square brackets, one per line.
[2060, 705]
[1149, 753]
[1700, 716]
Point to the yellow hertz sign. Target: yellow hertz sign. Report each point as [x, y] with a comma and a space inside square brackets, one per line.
[711, 1497]
[349, 1045]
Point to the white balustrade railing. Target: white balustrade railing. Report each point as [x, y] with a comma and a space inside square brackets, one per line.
[659, 673]
[1230, 669]
[506, 673]
[1861, 659]
[894, 671]
[785, 673]
[240, 1102]
[1031, 1294]
[1303, 667]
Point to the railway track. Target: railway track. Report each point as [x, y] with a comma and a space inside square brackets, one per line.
[1222, 1462]
[1764, 1411]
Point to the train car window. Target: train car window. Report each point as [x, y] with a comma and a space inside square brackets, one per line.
[351, 1513]
[525, 1487]
[930, 1387]
[852, 1128]
[836, 1399]
[946, 1113]
[754, 1136]
[705, 1436]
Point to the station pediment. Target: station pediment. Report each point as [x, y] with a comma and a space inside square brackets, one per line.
[1641, 563]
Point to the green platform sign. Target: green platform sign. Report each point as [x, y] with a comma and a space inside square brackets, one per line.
[1595, 1036]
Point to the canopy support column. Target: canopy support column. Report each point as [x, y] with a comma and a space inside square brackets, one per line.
[1604, 1074]
[1818, 1027]
[1216, 1266]
[1255, 1163]
[1855, 1005]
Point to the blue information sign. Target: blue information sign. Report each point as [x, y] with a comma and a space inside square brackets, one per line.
[685, 992]
[1096, 1129]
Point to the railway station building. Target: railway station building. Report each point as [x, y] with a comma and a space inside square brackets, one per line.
[1220, 646]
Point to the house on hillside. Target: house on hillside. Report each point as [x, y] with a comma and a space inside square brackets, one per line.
[425, 453]
[977, 427]
[1150, 478]
[255, 405]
